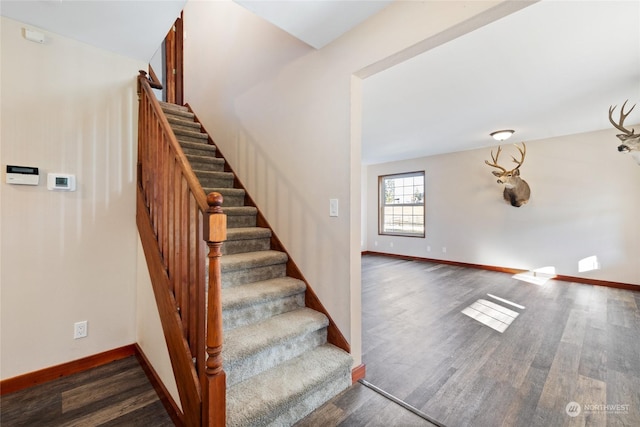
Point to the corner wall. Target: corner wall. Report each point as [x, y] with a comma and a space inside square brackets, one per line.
[280, 111]
[66, 256]
[585, 201]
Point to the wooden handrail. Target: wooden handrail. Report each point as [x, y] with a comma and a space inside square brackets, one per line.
[180, 221]
[154, 81]
[152, 78]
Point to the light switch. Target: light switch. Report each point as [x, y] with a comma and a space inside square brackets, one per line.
[34, 36]
[333, 207]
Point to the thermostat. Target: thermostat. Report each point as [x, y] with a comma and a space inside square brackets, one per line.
[23, 175]
[61, 181]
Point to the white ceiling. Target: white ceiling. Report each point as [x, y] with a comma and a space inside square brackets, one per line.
[133, 28]
[315, 22]
[550, 69]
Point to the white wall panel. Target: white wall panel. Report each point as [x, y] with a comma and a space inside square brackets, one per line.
[66, 256]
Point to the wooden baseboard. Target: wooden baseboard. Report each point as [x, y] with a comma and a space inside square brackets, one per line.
[31, 379]
[48, 374]
[563, 278]
[595, 282]
[165, 397]
[358, 373]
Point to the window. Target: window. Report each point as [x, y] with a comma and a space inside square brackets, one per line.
[402, 204]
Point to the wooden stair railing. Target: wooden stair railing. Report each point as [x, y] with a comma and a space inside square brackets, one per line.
[175, 218]
[214, 381]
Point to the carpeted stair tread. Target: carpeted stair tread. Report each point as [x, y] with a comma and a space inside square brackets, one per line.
[239, 192]
[215, 174]
[239, 210]
[185, 114]
[246, 239]
[240, 216]
[267, 290]
[191, 134]
[287, 393]
[252, 349]
[205, 163]
[168, 107]
[172, 107]
[246, 341]
[248, 233]
[184, 124]
[255, 302]
[198, 148]
[215, 178]
[248, 260]
[183, 121]
[197, 145]
[188, 136]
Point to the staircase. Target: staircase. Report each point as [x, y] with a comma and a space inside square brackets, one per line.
[278, 363]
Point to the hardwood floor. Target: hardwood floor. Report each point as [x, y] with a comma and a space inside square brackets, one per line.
[361, 407]
[116, 394]
[570, 343]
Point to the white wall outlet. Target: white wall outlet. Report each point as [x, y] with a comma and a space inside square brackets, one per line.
[80, 330]
[444, 249]
[428, 248]
[333, 207]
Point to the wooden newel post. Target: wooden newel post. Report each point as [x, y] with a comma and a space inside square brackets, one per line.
[141, 75]
[214, 387]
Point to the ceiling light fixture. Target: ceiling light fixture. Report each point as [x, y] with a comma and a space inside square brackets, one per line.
[501, 135]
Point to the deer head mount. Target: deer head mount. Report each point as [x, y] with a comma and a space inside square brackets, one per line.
[516, 190]
[630, 142]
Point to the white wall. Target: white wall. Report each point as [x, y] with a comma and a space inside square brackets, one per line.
[281, 113]
[585, 201]
[157, 63]
[65, 257]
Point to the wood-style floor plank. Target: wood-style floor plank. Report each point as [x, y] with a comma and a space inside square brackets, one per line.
[362, 407]
[115, 394]
[571, 343]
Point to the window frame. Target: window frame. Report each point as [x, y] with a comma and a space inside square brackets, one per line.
[382, 205]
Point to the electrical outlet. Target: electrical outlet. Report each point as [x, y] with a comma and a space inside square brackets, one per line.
[80, 330]
[444, 249]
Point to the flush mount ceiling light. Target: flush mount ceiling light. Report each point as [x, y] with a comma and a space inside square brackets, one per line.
[501, 135]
